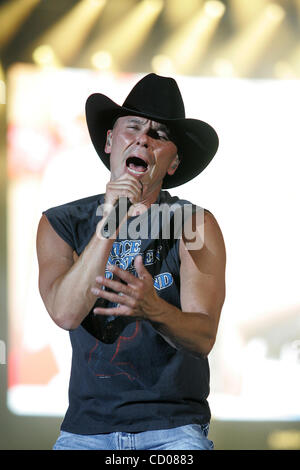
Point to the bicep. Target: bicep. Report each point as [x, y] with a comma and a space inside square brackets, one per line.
[203, 272]
[55, 258]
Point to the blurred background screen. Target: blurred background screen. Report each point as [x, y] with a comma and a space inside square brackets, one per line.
[255, 365]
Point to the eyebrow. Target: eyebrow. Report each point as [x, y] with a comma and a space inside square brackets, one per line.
[137, 120]
[159, 126]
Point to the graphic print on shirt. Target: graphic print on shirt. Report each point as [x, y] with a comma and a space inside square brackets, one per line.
[122, 255]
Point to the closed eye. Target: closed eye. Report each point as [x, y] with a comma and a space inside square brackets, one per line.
[158, 134]
[163, 136]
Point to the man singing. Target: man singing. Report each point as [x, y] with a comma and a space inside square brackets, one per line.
[142, 311]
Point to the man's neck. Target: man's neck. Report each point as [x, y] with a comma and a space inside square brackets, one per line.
[145, 203]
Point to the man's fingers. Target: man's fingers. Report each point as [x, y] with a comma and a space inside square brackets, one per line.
[122, 192]
[115, 298]
[122, 310]
[126, 186]
[124, 275]
[140, 268]
[127, 294]
[114, 285]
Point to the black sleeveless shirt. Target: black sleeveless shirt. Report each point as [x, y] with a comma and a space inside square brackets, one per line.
[125, 376]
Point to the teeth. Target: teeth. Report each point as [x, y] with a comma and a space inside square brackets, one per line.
[135, 171]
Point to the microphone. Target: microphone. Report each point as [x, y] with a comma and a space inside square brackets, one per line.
[121, 207]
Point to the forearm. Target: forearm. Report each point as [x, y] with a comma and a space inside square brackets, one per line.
[191, 331]
[71, 298]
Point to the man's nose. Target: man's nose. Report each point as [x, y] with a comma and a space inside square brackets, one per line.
[143, 139]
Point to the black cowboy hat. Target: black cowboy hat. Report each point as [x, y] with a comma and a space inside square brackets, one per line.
[159, 99]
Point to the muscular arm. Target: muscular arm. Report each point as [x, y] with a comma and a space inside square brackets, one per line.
[202, 292]
[65, 280]
[194, 326]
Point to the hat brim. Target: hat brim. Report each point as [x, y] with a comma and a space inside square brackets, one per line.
[197, 142]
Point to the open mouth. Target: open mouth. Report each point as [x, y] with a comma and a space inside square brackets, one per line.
[136, 165]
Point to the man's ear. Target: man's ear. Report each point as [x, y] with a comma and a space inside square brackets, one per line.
[174, 165]
[108, 142]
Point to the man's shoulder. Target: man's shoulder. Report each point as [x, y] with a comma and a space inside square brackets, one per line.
[75, 221]
[171, 200]
[204, 231]
[77, 205]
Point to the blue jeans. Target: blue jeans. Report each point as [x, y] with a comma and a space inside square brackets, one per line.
[189, 437]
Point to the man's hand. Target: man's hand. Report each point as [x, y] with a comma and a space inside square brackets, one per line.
[137, 297]
[193, 326]
[125, 186]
